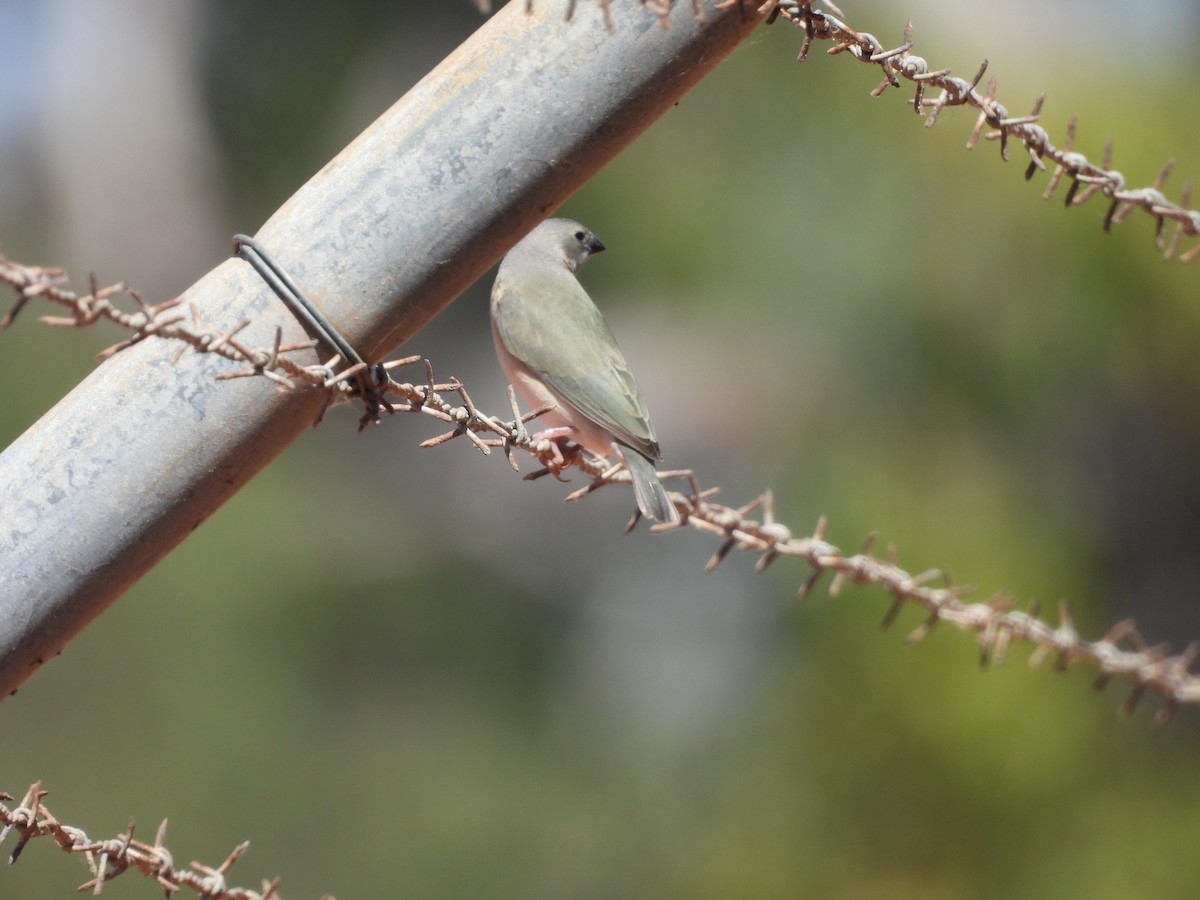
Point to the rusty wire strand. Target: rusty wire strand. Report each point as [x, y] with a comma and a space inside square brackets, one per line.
[1086, 177]
[995, 621]
[659, 8]
[109, 858]
[900, 63]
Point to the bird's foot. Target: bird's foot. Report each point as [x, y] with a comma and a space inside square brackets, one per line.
[563, 451]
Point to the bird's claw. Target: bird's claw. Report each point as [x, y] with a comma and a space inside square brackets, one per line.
[563, 452]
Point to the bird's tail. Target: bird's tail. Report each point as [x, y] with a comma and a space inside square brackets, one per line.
[652, 497]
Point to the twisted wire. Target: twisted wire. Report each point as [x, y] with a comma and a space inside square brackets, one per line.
[997, 624]
[109, 858]
[1086, 177]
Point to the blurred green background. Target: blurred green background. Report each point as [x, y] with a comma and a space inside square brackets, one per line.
[405, 672]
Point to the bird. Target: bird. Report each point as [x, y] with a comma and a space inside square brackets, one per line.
[558, 352]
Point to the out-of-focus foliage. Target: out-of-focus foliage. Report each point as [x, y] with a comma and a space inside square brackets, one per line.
[407, 673]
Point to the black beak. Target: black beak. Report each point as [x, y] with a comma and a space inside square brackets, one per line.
[593, 245]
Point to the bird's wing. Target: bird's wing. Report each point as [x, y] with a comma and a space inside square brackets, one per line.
[559, 334]
[607, 400]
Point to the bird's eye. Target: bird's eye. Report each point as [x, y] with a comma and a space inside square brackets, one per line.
[579, 236]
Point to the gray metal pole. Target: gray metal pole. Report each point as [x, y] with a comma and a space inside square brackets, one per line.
[383, 237]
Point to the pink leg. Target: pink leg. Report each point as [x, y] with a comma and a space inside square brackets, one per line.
[553, 434]
[558, 436]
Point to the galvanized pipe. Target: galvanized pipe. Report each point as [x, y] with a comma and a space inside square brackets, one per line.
[383, 237]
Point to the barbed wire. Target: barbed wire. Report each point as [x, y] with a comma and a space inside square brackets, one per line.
[900, 63]
[1086, 177]
[660, 8]
[109, 858]
[997, 624]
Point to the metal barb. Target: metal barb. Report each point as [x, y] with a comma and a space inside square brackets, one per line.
[110, 858]
[1087, 178]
